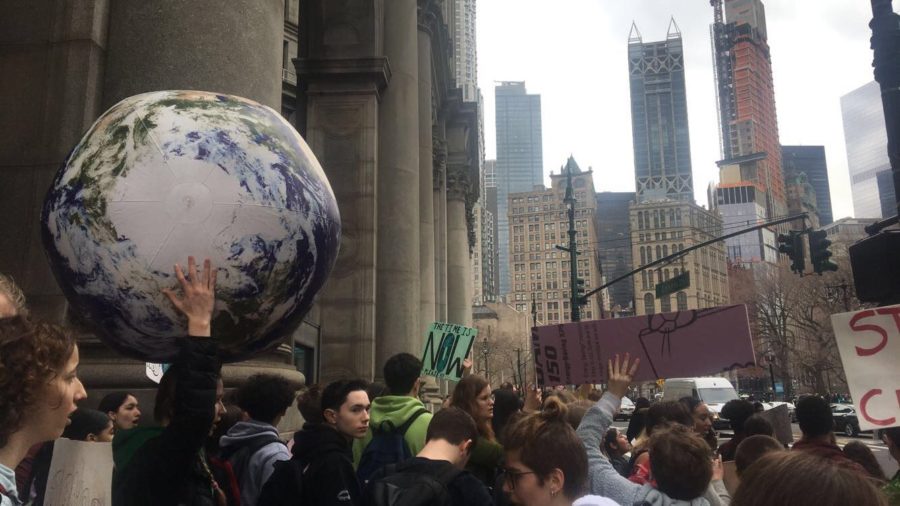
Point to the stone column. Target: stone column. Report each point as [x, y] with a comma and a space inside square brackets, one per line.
[342, 78]
[440, 227]
[397, 270]
[426, 178]
[197, 45]
[459, 305]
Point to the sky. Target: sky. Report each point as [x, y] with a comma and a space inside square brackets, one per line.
[574, 54]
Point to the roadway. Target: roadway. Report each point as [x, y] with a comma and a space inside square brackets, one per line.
[877, 446]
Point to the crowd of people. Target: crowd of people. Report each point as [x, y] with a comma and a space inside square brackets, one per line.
[376, 444]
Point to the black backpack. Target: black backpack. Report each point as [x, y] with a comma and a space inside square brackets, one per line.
[239, 456]
[405, 485]
[285, 486]
[388, 446]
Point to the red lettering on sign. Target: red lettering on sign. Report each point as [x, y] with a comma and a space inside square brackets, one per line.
[886, 422]
[865, 352]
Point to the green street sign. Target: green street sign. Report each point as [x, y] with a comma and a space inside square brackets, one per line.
[679, 282]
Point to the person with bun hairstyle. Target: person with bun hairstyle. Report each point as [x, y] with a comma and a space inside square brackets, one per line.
[545, 462]
[804, 479]
[474, 396]
[39, 385]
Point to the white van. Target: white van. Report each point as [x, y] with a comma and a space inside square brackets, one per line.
[715, 392]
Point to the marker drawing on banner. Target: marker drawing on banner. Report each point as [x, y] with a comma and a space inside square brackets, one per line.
[155, 371]
[446, 348]
[670, 345]
[869, 343]
[80, 474]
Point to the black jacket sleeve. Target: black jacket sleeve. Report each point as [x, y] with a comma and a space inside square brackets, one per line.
[335, 483]
[162, 471]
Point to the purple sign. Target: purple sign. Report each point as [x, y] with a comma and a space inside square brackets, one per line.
[670, 345]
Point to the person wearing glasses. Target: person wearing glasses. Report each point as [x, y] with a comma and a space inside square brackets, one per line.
[474, 396]
[545, 462]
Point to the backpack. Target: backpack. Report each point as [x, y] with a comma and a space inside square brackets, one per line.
[225, 477]
[388, 446]
[285, 486]
[404, 485]
[239, 456]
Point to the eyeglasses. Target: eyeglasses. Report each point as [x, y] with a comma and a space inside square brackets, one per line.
[512, 477]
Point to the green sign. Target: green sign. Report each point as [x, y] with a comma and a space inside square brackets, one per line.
[679, 282]
[446, 347]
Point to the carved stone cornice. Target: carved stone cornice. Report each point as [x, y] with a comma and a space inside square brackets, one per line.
[458, 181]
[439, 162]
[429, 16]
[343, 74]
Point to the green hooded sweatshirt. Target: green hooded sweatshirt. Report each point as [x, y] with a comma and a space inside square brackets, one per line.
[397, 409]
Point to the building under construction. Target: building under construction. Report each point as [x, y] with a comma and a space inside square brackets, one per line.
[751, 184]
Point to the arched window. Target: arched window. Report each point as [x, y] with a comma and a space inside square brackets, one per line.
[656, 218]
[643, 256]
[665, 305]
[666, 275]
[658, 252]
[666, 250]
[649, 306]
[640, 221]
[682, 301]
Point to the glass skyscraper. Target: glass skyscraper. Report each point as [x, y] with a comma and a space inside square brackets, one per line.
[866, 139]
[810, 160]
[659, 121]
[519, 158]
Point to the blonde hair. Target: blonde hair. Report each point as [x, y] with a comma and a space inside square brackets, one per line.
[11, 290]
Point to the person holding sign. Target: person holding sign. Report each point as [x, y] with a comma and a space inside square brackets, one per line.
[39, 386]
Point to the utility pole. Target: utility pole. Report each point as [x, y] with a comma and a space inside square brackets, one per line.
[575, 303]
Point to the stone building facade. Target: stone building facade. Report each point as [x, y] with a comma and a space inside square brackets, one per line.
[537, 224]
[374, 94]
[659, 229]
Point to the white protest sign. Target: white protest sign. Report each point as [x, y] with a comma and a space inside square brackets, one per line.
[869, 343]
[446, 347]
[80, 473]
[155, 371]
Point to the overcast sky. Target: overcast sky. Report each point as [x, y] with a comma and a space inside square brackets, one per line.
[574, 54]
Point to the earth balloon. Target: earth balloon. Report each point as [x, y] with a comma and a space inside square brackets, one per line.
[164, 175]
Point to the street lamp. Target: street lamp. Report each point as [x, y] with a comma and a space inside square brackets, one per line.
[484, 354]
[770, 357]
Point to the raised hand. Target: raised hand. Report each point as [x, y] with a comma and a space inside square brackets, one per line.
[620, 375]
[533, 398]
[199, 296]
[718, 472]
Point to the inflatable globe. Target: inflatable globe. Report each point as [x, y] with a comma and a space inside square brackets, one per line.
[165, 175]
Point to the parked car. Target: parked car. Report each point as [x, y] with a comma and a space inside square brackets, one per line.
[626, 409]
[845, 419]
[715, 392]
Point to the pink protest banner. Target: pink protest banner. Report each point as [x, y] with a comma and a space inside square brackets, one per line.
[869, 344]
[670, 345]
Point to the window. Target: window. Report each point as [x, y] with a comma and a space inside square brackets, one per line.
[665, 305]
[682, 301]
[649, 306]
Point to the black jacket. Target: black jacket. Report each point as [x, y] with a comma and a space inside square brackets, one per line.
[169, 469]
[464, 490]
[330, 478]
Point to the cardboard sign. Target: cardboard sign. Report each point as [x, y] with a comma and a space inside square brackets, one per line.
[155, 371]
[670, 345]
[80, 473]
[780, 419]
[869, 344]
[446, 347]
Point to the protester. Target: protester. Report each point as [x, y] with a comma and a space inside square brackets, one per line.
[860, 453]
[684, 471]
[703, 424]
[752, 448]
[39, 386]
[576, 411]
[817, 425]
[757, 425]
[376, 390]
[168, 466]
[89, 425]
[638, 418]
[321, 469]
[436, 475]
[398, 413]
[253, 446]
[659, 415]
[736, 411]
[616, 445]
[803, 479]
[12, 300]
[309, 404]
[122, 408]
[545, 462]
[473, 395]
[891, 438]
[506, 405]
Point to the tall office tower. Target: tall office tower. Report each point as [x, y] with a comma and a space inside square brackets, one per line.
[886, 193]
[519, 158]
[750, 172]
[539, 222]
[465, 52]
[659, 120]
[614, 248]
[866, 139]
[810, 160]
[490, 203]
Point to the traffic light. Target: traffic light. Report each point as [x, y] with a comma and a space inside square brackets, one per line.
[819, 254]
[792, 246]
[579, 292]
